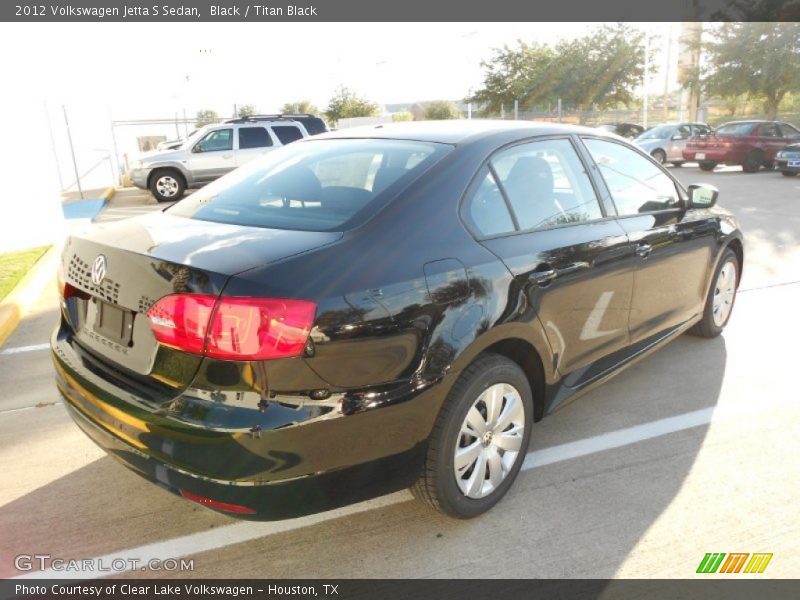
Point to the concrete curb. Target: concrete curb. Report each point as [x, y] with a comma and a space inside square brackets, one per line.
[17, 303]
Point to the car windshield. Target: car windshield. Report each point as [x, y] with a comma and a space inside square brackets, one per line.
[321, 185]
[736, 129]
[658, 133]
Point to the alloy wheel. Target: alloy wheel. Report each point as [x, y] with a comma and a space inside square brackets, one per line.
[167, 186]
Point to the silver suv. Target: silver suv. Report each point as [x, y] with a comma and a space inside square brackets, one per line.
[214, 150]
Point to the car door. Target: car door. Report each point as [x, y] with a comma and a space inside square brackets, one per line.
[673, 246]
[212, 156]
[677, 142]
[772, 140]
[534, 206]
[252, 142]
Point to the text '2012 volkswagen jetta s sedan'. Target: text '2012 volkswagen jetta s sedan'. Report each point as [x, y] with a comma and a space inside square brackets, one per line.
[382, 308]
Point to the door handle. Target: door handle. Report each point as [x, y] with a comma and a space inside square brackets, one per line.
[543, 277]
[644, 250]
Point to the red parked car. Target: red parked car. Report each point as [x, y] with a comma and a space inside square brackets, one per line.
[752, 144]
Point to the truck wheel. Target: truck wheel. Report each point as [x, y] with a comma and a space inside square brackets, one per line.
[167, 185]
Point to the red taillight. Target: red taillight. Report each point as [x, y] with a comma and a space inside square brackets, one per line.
[233, 328]
[227, 507]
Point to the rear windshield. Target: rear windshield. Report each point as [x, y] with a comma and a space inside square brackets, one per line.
[321, 185]
[736, 129]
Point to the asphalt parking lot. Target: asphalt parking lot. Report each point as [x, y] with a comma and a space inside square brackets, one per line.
[692, 450]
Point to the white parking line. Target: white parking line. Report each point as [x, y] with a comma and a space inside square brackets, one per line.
[21, 349]
[237, 533]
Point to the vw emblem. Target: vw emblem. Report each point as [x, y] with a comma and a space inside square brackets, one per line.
[99, 267]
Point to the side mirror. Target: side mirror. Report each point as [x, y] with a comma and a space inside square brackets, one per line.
[702, 195]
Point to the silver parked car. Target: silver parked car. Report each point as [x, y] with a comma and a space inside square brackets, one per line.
[666, 142]
[214, 150]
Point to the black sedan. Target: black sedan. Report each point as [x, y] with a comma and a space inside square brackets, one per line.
[787, 161]
[382, 308]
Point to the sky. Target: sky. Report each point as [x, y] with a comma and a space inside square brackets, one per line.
[121, 71]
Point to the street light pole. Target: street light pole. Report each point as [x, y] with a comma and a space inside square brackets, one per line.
[72, 152]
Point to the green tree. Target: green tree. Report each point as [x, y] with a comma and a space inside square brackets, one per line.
[441, 110]
[303, 106]
[761, 60]
[206, 117]
[403, 115]
[346, 104]
[247, 110]
[603, 68]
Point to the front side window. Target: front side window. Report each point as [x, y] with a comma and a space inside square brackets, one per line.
[546, 184]
[324, 185]
[253, 137]
[287, 133]
[636, 184]
[216, 141]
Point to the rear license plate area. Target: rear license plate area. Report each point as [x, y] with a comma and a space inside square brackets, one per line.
[113, 323]
[700, 155]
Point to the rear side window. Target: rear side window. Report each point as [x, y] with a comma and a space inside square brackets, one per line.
[486, 211]
[736, 129]
[287, 133]
[636, 184]
[324, 185]
[770, 130]
[701, 129]
[789, 130]
[253, 137]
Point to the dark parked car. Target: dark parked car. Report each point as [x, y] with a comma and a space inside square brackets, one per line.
[626, 130]
[752, 144]
[373, 309]
[787, 161]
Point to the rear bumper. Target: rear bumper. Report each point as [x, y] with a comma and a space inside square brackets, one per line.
[322, 462]
[718, 155]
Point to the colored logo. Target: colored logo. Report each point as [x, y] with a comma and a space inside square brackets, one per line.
[734, 562]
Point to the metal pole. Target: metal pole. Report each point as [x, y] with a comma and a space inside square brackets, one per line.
[469, 110]
[118, 175]
[53, 146]
[646, 77]
[177, 128]
[185, 124]
[559, 110]
[666, 73]
[72, 151]
[516, 110]
[502, 111]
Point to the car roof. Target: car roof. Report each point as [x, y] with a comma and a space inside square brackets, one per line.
[457, 131]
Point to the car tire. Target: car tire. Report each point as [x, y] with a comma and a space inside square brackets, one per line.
[468, 489]
[677, 163]
[753, 161]
[707, 165]
[167, 185]
[659, 156]
[789, 173]
[720, 298]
